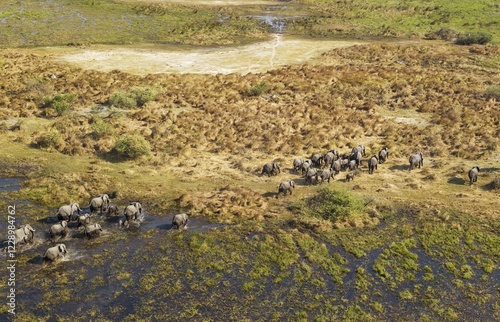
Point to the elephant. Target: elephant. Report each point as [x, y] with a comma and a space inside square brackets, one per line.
[131, 212]
[312, 176]
[83, 220]
[67, 212]
[353, 165]
[360, 148]
[307, 164]
[24, 234]
[93, 230]
[383, 155]
[100, 203]
[297, 164]
[356, 156]
[180, 221]
[329, 158]
[327, 174]
[473, 174]
[53, 253]
[344, 163]
[337, 165]
[113, 210]
[349, 176]
[416, 160]
[285, 187]
[271, 169]
[317, 159]
[59, 230]
[372, 164]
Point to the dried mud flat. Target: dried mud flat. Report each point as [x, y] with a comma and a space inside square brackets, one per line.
[149, 59]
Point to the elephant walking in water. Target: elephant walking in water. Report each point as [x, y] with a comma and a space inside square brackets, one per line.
[100, 204]
[473, 173]
[67, 212]
[53, 253]
[132, 211]
[180, 221]
[285, 187]
[24, 234]
[416, 160]
[93, 230]
[59, 230]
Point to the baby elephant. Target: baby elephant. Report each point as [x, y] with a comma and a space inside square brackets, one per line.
[285, 187]
[113, 210]
[53, 253]
[83, 220]
[59, 230]
[372, 164]
[349, 176]
[180, 221]
[473, 174]
[93, 230]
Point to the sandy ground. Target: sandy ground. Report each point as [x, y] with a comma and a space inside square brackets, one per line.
[148, 59]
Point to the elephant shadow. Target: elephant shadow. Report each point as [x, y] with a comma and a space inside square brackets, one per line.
[37, 260]
[456, 180]
[400, 167]
[269, 194]
[48, 220]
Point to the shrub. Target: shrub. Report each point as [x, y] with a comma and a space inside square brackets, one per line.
[136, 97]
[61, 102]
[49, 139]
[101, 129]
[258, 89]
[132, 146]
[474, 38]
[333, 205]
[443, 34]
[493, 92]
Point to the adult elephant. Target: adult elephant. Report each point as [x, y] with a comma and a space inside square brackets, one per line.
[53, 253]
[59, 230]
[383, 155]
[337, 166]
[271, 169]
[305, 166]
[360, 148]
[356, 156]
[352, 165]
[83, 220]
[330, 157]
[132, 211]
[24, 234]
[180, 221]
[317, 159]
[100, 203]
[93, 230]
[311, 176]
[372, 164]
[285, 187]
[67, 212]
[297, 164]
[327, 174]
[416, 160]
[473, 173]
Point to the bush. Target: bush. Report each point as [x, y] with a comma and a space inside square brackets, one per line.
[49, 139]
[443, 34]
[61, 102]
[493, 92]
[333, 205]
[258, 89]
[132, 146]
[474, 38]
[135, 97]
[101, 129]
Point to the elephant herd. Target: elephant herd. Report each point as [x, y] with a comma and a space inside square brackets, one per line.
[72, 213]
[321, 167]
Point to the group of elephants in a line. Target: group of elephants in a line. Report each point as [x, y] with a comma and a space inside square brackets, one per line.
[322, 167]
[73, 213]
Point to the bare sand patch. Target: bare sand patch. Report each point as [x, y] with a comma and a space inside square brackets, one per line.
[149, 59]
